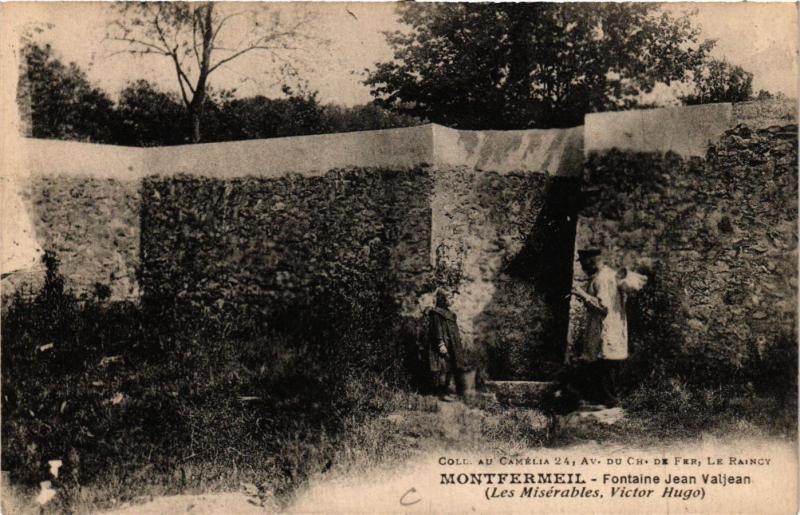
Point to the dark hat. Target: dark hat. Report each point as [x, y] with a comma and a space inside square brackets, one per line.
[441, 299]
[588, 253]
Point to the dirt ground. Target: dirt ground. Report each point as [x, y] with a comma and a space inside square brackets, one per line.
[414, 487]
[448, 439]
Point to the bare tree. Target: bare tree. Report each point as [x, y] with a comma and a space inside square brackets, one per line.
[199, 38]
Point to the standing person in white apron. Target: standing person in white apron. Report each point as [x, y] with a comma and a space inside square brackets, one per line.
[605, 342]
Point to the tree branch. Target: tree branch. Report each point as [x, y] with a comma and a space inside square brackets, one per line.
[156, 48]
[180, 83]
[235, 55]
[260, 45]
[161, 35]
[194, 38]
[173, 53]
[222, 22]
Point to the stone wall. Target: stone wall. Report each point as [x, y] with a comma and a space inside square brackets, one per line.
[83, 200]
[707, 207]
[81, 203]
[557, 152]
[92, 226]
[500, 242]
[505, 241]
[717, 235]
[268, 244]
[257, 227]
[503, 219]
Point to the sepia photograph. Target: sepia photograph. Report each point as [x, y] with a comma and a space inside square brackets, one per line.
[398, 257]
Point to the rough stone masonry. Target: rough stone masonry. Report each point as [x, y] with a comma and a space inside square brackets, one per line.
[710, 216]
[253, 227]
[704, 198]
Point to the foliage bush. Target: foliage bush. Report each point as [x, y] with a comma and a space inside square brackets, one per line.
[517, 66]
[130, 397]
[720, 81]
[676, 408]
[65, 105]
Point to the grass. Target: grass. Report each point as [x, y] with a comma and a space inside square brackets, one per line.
[135, 411]
[409, 425]
[138, 402]
[673, 410]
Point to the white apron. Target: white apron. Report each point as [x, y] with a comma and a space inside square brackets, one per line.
[607, 335]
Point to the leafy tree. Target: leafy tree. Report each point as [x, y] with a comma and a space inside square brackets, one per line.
[199, 38]
[511, 66]
[262, 117]
[150, 117]
[336, 118]
[764, 94]
[63, 104]
[300, 113]
[719, 81]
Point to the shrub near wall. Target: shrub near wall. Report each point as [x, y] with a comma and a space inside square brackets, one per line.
[132, 407]
[258, 248]
[718, 238]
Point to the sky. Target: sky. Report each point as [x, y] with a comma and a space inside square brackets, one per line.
[761, 37]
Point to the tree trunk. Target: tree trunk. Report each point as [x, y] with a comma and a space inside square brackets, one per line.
[195, 116]
[197, 106]
[198, 103]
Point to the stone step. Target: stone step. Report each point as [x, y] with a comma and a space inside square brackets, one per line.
[520, 393]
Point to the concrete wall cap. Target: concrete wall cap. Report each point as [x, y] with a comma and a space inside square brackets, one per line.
[554, 151]
[685, 130]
